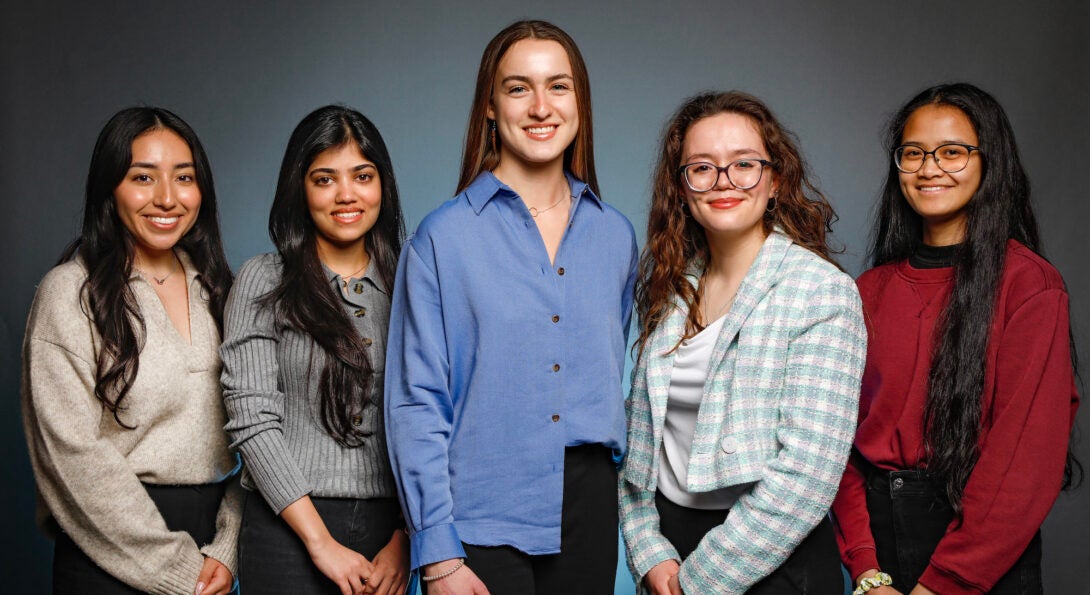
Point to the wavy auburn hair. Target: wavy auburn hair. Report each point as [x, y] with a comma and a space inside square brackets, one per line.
[674, 238]
[106, 248]
[479, 154]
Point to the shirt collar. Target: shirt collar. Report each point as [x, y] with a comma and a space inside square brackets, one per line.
[486, 186]
[190, 270]
[370, 274]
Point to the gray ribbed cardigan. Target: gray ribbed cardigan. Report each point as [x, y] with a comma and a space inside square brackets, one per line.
[270, 383]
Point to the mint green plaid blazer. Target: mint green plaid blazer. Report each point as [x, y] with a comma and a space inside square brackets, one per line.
[779, 411]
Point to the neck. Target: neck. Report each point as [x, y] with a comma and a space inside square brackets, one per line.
[539, 187]
[730, 256]
[344, 259]
[155, 262]
[944, 233]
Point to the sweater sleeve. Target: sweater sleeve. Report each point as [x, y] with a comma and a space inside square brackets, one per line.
[224, 547]
[852, 521]
[818, 407]
[1020, 469]
[251, 390]
[420, 411]
[84, 481]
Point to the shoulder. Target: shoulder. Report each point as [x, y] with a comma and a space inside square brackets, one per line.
[258, 275]
[449, 218]
[874, 278]
[615, 221]
[808, 269]
[59, 309]
[1027, 274]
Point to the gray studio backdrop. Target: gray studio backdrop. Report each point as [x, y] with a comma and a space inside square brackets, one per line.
[244, 73]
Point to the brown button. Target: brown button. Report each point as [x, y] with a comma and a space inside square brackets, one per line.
[358, 288]
[360, 312]
[357, 420]
[556, 418]
[560, 271]
[367, 341]
[556, 318]
[556, 367]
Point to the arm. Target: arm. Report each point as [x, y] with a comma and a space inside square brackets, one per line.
[852, 521]
[345, 567]
[224, 547]
[818, 406]
[419, 409]
[1022, 456]
[82, 478]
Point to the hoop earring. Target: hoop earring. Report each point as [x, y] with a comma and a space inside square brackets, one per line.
[492, 134]
[773, 202]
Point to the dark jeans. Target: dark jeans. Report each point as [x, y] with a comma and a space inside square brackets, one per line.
[191, 509]
[587, 562]
[909, 516]
[272, 558]
[813, 568]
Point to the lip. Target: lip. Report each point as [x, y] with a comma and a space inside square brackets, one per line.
[724, 203]
[541, 131]
[347, 216]
[932, 189]
[165, 222]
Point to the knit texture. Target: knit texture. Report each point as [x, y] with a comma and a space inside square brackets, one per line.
[89, 469]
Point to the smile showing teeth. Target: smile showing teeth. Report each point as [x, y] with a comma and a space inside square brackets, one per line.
[541, 129]
[350, 215]
[164, 220]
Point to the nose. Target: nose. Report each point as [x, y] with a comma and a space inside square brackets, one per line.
[722, 180]
[540, 107]
[930, 168]
[164, 196]
[344, 192]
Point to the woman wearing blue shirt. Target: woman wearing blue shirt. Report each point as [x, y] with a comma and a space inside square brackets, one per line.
[510, 313]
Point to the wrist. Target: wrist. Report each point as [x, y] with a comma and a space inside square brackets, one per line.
[441, 570]
[871, 579]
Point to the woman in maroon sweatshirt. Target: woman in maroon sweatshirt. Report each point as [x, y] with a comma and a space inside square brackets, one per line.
[968, 394]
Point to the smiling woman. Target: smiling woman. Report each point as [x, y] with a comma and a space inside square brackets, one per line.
[121, 397]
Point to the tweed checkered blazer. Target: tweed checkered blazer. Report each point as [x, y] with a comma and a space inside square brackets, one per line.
[779, 411]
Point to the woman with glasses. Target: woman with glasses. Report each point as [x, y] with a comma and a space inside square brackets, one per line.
[750, 352]
[968, 396]
[121, 397]
[507, 342]
[303, 355]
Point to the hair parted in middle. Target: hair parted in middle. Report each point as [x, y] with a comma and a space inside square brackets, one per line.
[304, 298]
[675, 240]
[482, 146]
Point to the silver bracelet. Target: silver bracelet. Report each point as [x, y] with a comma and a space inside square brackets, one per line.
[445, 574]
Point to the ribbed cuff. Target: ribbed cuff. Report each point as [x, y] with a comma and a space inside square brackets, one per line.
[947, 583]
[180, 578]
[862, 559]
[273, 469]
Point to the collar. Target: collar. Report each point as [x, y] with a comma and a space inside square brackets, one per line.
[191, 272]
[370, 274]
[487, 186]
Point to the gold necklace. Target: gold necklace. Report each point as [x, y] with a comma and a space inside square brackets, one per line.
[534, 211]
[157, 280]
[708, 319]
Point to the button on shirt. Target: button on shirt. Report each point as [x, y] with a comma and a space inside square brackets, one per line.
[498, 360]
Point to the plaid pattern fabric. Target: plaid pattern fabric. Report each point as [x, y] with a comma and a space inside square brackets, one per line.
[779, 410]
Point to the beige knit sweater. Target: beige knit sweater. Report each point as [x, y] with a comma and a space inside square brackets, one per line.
[89, 469]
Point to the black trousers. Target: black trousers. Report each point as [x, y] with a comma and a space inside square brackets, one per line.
[813, 568]
[272, 559]
[191, 509]
[909, 515]
[587, 562]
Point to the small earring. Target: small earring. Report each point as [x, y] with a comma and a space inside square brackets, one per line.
[772, 204]
[492, 134]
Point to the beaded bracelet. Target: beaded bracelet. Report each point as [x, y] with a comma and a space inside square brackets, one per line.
[878, 580]
[446, 573]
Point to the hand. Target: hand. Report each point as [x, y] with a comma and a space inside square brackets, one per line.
[675, 585]
[214, 578]
[390, 571]
[463, 582]
[658, 579]
[341, 565]
[884, 590]
[921, 590]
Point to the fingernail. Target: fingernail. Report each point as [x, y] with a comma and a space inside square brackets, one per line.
[200, 589]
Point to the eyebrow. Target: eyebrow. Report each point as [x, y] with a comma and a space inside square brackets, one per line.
[525, 79]
[735, 153]
[146, 165]
[939, 144]
[330, 170]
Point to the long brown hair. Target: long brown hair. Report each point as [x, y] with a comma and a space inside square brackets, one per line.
[480, 154]
[675, 240]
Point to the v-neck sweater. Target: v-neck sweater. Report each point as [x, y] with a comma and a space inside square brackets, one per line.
[89, 470]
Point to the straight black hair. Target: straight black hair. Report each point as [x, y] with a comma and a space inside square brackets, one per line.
[304, 298]
[106, 248]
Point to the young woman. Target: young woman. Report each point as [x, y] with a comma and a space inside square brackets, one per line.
[121, 396]
[751, 348]
[507, 340]
[968, 395]
[303, 357]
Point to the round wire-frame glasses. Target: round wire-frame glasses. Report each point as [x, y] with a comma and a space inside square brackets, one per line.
[743, 174]
[950, 157]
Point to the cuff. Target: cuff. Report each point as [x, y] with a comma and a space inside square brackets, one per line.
[435, 544]
[273, 470]
[224, 547]
[862, 559]
[947, 583]
[181, 576]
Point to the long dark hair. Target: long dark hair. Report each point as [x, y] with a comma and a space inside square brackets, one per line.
[480, 153]
[106, 247]
[304, 298]
[675, 239]
[1000, 210]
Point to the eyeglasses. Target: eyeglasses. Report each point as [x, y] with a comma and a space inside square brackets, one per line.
[950, 158]
[742, 174]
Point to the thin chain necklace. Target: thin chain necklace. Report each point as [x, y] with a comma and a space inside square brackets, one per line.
[345, 278]
[157, 280]
[708, 318]
[534, 211]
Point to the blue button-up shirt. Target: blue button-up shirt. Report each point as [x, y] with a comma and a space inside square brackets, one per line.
[498, 360]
